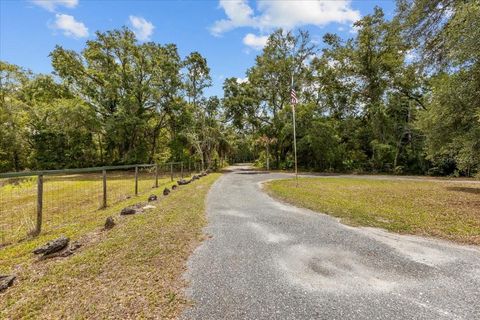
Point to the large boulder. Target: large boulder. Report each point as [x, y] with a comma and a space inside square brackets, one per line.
[52, 246]
[6, 281]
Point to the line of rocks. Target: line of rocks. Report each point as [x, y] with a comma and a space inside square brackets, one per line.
[141, 207]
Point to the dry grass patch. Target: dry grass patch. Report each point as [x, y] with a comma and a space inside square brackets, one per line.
[449, 210]
[132, 271]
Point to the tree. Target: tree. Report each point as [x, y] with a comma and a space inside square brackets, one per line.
[447, 33]
[13, 146]
[130, 86]
[197, 78]
[259, 103]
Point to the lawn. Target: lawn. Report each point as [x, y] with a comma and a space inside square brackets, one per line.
[445, 209]
[132, 271]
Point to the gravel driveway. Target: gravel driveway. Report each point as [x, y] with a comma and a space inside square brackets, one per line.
[269, 260]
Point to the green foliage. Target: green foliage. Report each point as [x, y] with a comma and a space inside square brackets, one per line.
[401, 96]
[451, 124]
[117, 101]
[365, 104]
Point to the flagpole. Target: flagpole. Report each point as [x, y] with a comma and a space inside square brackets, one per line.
[294, 140]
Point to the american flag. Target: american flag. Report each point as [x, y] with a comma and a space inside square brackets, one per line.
[293, 95]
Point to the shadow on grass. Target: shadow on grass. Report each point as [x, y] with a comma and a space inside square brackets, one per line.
[465, 189]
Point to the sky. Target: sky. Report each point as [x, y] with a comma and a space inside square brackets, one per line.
[228, 33]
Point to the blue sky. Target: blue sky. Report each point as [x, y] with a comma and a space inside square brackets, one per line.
[228, 33]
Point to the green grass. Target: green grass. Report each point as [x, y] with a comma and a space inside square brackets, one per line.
[449, 210]
[67, 200]
[132, 271]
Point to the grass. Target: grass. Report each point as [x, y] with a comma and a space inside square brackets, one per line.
[66, 201]
[445, 209]
[132, 271]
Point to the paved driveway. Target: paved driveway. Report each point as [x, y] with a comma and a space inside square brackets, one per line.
[268, 260]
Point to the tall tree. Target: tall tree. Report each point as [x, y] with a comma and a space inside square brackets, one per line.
[130, 86]
[197, 79]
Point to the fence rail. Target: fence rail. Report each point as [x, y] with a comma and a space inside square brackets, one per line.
[29, 200]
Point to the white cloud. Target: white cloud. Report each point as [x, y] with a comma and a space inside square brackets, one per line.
[239, 14]
[255, 42]
[50, 5]
[143, 29]
[285, 14]
[70, 26]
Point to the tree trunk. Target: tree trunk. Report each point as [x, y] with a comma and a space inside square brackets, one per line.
[268, 159]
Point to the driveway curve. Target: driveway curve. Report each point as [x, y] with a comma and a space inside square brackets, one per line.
[269, 260]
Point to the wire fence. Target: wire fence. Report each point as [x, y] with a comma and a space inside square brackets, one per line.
[34, 202]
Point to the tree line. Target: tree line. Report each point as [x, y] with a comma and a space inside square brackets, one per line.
[400, 96]
[115, 102]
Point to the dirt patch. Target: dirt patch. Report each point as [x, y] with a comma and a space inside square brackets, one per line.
[332, 270]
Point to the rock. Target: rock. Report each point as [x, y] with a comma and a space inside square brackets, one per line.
[174, 187]
[183, 182]
[52, 246]
[195, 177]
[166, 191]
[127, 211]
[136, 208]
[109, 223]
[152, 197]
[6, 281]
[63, 253]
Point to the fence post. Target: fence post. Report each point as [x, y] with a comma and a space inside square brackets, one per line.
[104, 174]
[171, 171]
[136, 180]
[181, 169]
[156, 176]
[38, 227]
